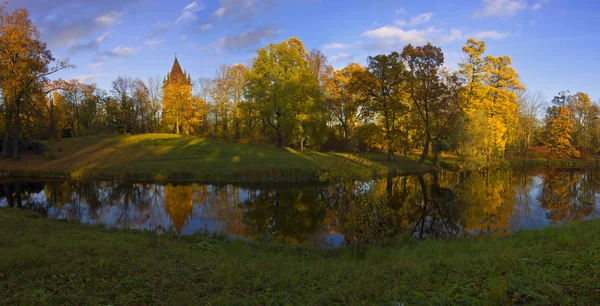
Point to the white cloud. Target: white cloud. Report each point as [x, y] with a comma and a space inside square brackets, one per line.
[220, 12]
[243, 10]
[244, 40]
[342, 57]
[205, 27]
[416, 20]
[87, 77]
[191, 7]
[500, 8]
[109, 19]
[335, 45]
[122, 51]
[152, 42]
[391, 36]
[102, 37]
[493, 34]
[538, 5]
[408, 36]
[189, 12]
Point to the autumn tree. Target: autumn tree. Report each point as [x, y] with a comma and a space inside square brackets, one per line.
[489, 102]
[25, 62]
[433, 94]
[383, 86]
[557, 135]
[344, 103]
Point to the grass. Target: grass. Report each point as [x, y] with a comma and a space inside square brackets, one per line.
[554, 162]
[173, 157]
[50, 262]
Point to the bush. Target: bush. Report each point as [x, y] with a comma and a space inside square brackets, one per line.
[28, 147]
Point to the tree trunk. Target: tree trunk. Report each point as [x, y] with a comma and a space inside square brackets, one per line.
[16, 133]
[5, 143]
[279, 138]
[425, 150]
[390, 156]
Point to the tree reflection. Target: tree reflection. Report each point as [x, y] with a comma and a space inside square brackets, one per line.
[568, 195]
[443, 204]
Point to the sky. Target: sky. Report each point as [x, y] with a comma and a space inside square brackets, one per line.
[554, 44]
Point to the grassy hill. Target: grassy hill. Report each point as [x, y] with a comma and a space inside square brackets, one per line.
[174, 157]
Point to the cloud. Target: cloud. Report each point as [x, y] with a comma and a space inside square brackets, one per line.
[335, 45]
[538, 5]
[109, 19]
[117, 52]
[72, 21]
[189, 12]
[500, 8]
[91, 45]
[342, 57]
[489, 35]
[122, 51]
[243, 10]
[159, 29]
[152, 42]
[86, 78]
[244, 40]
[205, 27]
[390, 36]
[416, 20]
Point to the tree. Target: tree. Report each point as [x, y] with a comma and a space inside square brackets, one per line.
[24, 64]
[383, 85]
[557, 136]
[343, 101]
[433, 94]
[489, 103]
[529, 107]
[283, 90]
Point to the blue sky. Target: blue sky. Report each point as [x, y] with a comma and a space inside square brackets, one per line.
[554, 44]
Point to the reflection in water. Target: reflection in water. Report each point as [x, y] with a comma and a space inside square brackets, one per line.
[442, 205]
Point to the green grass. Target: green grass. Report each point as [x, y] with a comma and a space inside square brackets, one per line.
[562, 163]
[46, 261]
[173, 157]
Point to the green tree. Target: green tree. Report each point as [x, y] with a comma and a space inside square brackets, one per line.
[283, 90]
[383, 86]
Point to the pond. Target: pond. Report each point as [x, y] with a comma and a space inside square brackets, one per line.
[445, 204]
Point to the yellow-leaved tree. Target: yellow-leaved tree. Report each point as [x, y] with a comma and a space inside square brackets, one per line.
[557, 136]
[489, 103]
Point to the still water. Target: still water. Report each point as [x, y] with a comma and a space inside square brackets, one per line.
[444, 205]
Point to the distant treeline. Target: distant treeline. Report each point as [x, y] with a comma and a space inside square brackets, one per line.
[399, 102]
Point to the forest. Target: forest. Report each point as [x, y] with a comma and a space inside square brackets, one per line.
[400, 102]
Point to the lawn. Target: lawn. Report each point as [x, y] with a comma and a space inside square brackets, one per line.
[46, 261]
[173, 157]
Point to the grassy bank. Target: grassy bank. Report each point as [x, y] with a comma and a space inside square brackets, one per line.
[45, 261]
[559, 163]
[172, 157]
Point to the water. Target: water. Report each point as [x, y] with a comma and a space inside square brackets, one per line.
[443, 205]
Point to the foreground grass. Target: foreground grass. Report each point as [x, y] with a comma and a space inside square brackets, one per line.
[173, 157]
[45, 261]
